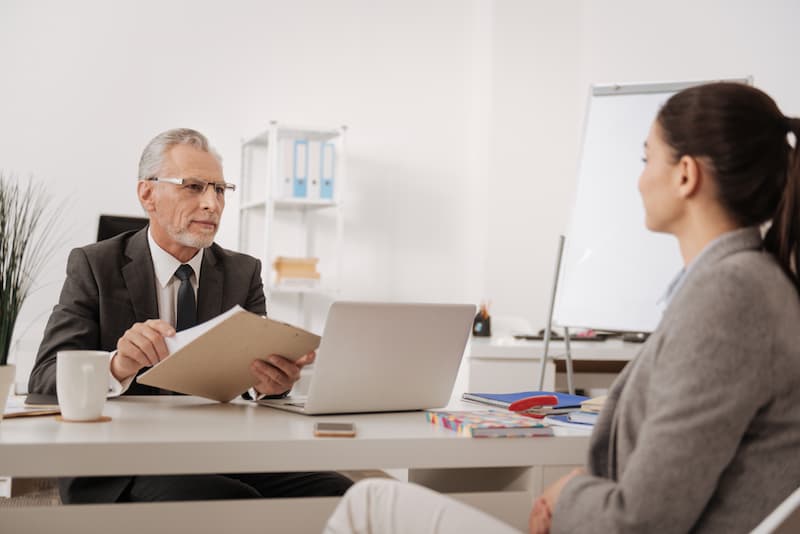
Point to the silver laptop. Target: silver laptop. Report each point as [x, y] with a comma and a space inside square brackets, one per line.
[381, 357]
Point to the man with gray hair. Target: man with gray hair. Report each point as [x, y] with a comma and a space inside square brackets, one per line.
[127, 293]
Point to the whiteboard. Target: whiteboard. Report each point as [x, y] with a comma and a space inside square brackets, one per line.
[614, 271]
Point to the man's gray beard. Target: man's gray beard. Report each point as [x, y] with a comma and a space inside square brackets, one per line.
[188, 240]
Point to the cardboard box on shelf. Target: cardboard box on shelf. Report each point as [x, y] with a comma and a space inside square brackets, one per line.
[288, 268]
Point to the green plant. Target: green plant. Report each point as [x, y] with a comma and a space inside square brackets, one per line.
[25, 241]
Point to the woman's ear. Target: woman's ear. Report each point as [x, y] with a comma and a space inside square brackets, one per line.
[689, 176]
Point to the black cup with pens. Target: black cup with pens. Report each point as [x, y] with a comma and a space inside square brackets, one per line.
[482, 325]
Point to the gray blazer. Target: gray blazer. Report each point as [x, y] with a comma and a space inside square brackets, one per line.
[701, 431]
[109, 286]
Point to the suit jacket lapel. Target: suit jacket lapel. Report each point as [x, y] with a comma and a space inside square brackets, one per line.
[140, 278]
[209, 290]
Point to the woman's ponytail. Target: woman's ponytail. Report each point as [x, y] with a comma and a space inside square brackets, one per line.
[783, 237]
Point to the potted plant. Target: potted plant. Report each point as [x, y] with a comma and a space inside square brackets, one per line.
[25, 240]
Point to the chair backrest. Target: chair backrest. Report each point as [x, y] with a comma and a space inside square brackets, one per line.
[785, 519]
[112, 225]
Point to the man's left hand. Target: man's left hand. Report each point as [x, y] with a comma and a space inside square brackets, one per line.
[276, 374]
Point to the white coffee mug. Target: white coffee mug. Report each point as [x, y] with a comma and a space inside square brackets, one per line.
[82, 379]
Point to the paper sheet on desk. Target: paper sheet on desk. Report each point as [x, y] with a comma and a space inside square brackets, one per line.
[16, 407]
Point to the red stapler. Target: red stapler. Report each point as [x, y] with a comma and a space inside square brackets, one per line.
[528, 403]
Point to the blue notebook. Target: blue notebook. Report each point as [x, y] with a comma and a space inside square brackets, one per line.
[503, 400]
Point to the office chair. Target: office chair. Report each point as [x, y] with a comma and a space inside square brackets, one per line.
[785, 519]
[112, 225]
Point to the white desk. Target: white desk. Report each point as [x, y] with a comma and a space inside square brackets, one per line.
[506, 364]
[161, 435]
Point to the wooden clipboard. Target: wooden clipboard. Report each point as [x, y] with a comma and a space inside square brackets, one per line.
[216, 365]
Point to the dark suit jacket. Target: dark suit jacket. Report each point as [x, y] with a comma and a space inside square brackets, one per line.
[111, 285]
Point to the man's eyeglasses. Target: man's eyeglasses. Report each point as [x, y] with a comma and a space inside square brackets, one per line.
[196, 186]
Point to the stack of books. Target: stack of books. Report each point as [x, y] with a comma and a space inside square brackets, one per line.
[296, 272]
[488, 423]
[586, 417]
[593, 405]
[532, 403]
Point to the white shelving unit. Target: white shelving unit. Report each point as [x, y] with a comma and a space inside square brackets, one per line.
[274, 222]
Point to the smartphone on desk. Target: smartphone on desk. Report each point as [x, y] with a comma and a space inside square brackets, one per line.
[324, 429]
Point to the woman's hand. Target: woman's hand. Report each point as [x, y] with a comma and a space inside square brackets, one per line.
[542, 512]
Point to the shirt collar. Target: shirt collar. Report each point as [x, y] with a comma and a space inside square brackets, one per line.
[165, 264]
[672, 288]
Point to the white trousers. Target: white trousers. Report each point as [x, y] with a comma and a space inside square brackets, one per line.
[381, 506]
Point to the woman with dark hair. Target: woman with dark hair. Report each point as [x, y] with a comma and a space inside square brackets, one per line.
[701, 431]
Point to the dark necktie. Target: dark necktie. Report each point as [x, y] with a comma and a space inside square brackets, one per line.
[187, 310]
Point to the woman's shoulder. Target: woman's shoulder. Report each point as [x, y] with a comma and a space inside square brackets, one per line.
[747, 289]
[747, 274]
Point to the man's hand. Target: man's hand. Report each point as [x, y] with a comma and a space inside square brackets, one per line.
[276, 374]
[142, 345]
[542, 513]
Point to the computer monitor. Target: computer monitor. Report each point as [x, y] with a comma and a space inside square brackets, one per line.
[112, 225]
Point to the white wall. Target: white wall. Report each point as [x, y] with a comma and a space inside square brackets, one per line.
[87, 83]
[465, 117]
[547, 54]
[533, 160]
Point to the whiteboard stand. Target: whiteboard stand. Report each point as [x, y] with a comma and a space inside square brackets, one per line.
[549, 328]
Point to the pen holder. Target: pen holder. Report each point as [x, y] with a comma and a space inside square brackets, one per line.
[482, 325]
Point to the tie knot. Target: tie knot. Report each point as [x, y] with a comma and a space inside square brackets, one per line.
[184, 272]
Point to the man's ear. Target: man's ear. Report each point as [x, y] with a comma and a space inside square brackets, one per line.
[689, 176]
[146, 193]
